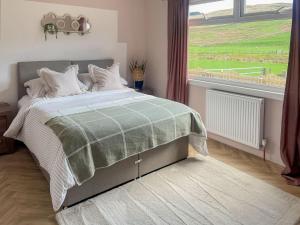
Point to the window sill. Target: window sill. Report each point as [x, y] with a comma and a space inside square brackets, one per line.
[238, 87]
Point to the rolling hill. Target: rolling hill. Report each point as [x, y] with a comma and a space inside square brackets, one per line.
[262, 44]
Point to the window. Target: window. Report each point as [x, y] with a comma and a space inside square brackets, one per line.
[268, 6]
[208, 10]
[251, 46]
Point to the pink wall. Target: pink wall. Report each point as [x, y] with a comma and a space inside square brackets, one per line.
[131, 20]
[156, 46]
[156, 40]
[102, 42]
[143, 26]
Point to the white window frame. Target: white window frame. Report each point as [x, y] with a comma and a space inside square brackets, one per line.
[239, 16]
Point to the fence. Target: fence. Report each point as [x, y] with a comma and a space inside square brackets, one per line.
[256, 75]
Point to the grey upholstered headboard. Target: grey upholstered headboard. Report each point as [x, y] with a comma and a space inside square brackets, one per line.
[27, 70]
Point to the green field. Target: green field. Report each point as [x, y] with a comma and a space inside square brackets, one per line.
[242, 45]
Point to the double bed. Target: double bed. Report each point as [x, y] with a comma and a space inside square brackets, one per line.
[32, 127]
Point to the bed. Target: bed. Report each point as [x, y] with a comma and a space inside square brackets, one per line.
[48, 152]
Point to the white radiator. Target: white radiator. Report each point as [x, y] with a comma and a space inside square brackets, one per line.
[236, 117]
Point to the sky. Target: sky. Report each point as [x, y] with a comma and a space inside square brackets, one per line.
[228, 4]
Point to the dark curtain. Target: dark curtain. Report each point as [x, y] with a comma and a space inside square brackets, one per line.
[178, 15]
[290, 134]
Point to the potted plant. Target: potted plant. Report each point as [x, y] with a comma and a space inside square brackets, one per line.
[138, 73]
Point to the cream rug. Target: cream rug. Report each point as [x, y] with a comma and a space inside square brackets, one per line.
[195, 191]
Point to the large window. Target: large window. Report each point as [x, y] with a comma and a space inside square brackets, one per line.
[240, 40]
[212, 10]
[268, 6]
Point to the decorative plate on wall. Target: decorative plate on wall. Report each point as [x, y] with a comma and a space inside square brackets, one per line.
[66, 24]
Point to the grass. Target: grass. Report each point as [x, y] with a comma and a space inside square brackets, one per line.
[242, 45]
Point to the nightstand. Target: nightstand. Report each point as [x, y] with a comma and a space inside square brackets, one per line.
[6, 144]
[146, 91]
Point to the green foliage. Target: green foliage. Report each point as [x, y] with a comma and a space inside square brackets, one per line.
[135, 65]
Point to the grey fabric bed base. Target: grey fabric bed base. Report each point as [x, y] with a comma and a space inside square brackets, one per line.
[127, 170]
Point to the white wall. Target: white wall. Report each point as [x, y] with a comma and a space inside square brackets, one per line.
[272, 125]
[131, 20]
[22, 39]
[140, 24]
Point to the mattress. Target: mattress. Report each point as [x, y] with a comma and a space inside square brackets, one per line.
[29, 127]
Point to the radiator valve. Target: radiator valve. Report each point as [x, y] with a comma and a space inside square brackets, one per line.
[264, 143]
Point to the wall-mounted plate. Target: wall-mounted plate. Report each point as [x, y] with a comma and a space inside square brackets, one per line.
[67, 24]
[61, 24]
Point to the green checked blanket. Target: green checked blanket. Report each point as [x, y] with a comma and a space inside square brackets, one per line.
[100, 137]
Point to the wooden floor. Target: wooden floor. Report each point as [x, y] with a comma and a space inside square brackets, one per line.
[25, 199]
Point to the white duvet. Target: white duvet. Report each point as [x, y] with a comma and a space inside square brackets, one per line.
[29, 127]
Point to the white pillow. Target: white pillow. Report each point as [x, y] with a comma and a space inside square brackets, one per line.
[82, 86]
[85, 78]
[124, 82]
[36, 88]
[61, 84]
[106, 79]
